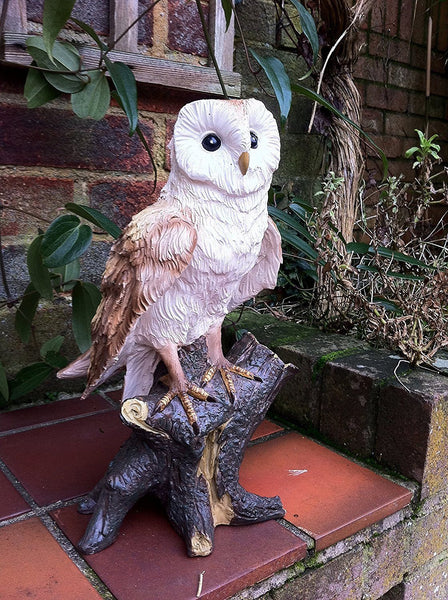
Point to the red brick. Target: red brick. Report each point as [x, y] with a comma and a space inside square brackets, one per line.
[429, 582]
[48, 137]
[403, 125]
[169, 134]
[348, 405]
[391, 146]
[440, 26]
[381, 96]
[406, 77]
[377, 16]
[338, 579]
[412, 26]
[184, 28]
[372, 120]
[41, 197]
[120, 200]
[145, 26]
[163, 100]
[385, 46]
[93, 12]
[392, 17]
[417, 103]
[403, 430]
[386, 562]
[371, 68]
[428, 539]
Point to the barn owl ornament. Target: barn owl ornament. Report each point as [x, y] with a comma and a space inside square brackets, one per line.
[205, 247]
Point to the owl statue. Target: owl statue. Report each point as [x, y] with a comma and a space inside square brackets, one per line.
[206, 246]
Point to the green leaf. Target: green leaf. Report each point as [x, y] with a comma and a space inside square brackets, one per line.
[95, 217]
[362, 248]
[85, 299]
[102, 46]
[53, 345]
[308, 27]
[291, 221]
[387, 304]
[25, 313]
[55, 360]
[124, 82]
[28, 378]
[404, 258]
[67, 275]
[39, 274]
[65, 58]
[275, 72]
[64, 241]
[4, 388]
[304, 91]
[94, 99]
[228, 10]
[299, 244]
[358, 247]
[55, 15]
[37, 90]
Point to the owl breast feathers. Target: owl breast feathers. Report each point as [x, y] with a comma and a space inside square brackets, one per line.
[203, 248]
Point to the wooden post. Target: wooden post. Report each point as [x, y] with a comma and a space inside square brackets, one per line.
[13, 16]
[194, 476]
[122, 14]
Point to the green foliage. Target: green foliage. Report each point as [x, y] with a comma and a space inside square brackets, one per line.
[95, 217]
[427, 148]
[94, 99]
[85, 300]
[126, 88]
[227, 6]
[55, 15]
[275, 72]
[37, 90]
[65, 240]
[391, 290]
[308, 27]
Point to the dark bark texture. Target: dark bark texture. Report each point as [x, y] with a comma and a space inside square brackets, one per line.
[194, 476]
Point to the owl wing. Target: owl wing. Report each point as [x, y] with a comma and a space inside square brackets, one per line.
[154, 249]
[263, 274]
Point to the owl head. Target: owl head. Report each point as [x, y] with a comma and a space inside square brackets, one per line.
[232, 145]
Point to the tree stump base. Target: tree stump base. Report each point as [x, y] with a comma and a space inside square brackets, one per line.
[194, 476]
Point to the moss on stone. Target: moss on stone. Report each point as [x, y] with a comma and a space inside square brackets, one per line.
[323, 360]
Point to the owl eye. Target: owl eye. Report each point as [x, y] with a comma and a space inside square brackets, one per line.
[253, 140]
[211, 142]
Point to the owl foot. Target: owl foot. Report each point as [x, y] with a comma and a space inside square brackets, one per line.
[227, 378]
[191, 390]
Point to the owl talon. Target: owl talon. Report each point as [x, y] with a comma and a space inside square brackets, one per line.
[208, 375]
[244, 373]
[229, 385]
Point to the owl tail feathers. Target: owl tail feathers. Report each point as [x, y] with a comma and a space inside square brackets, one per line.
[77, 368]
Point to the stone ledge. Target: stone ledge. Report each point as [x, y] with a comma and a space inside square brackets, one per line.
[363, 401]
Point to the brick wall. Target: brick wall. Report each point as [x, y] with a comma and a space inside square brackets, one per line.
[49, 157]
[391, 76]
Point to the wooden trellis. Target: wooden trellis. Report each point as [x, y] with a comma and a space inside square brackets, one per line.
[157, 71]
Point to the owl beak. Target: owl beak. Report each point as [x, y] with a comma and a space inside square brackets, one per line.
[243, 162]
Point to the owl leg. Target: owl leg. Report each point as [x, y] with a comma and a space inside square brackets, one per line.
[218, 362]
[180, 386]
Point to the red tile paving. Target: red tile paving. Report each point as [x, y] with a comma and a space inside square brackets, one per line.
[11, 502]
[65, 460]
[266, 428]
[52, 412]
[323, 493]
[149, 559]
[50, 577]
